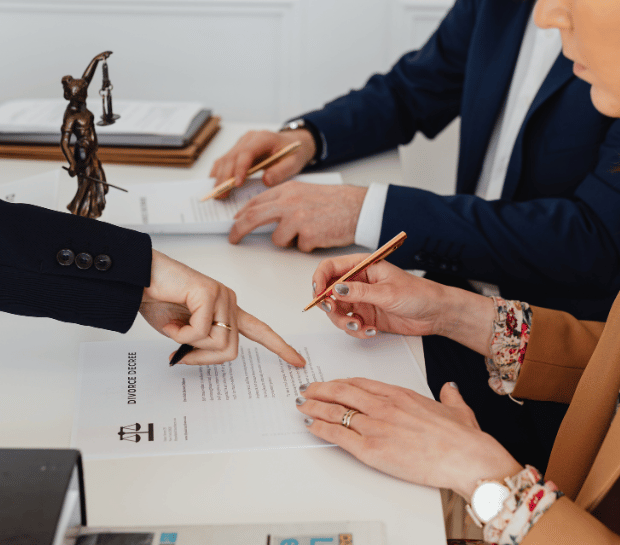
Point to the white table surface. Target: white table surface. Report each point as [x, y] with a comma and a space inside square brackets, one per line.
[38, 369]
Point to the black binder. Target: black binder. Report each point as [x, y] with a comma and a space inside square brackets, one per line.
[33, 486]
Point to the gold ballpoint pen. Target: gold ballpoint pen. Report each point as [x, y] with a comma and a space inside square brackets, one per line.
[380, 254]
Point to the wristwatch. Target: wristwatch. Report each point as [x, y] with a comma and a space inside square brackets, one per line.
[294, 125]
[300, 123]
[487, 501]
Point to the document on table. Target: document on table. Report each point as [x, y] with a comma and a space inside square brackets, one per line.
[131, 403]
[175, 207]
[156, 208]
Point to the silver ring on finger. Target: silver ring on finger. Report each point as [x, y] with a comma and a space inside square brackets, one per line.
[346, 417]
[222, 324]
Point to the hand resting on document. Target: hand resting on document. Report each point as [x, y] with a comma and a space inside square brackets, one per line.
[182, 303]
[311, 215]
[407, 435]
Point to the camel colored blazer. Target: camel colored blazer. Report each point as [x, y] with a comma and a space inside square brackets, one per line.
[578, 362]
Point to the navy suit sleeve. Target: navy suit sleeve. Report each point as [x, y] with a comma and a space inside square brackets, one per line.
[422, 92]
[34, 283]
[566, 244]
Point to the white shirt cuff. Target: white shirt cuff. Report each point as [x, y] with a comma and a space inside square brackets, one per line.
[369, 223]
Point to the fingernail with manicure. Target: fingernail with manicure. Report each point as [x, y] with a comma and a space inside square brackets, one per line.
[308, 421]
[300, 400]
[341, 289]
[313, 288]
[304, 387]
[454, 385]
[352, 326]
[326, 306]
[371, 332]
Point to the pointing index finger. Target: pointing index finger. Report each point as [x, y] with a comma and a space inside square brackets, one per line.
[255, 330]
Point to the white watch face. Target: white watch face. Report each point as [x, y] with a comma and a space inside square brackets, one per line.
[296, 124]
[488, 499]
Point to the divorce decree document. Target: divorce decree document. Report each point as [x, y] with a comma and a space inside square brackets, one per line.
[130, 402]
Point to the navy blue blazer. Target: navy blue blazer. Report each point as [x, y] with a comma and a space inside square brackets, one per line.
[34, 283]
[553, 238]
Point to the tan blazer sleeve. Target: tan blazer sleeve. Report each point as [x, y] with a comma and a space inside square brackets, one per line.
[566, 524]
[559, 348]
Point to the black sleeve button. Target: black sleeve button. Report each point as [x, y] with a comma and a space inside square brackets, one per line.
[65, 257]
[84, 261]
[103, 262]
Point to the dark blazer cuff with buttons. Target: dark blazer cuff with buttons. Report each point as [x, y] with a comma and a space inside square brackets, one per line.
[105, 305]
[38, 235]
[70, 268]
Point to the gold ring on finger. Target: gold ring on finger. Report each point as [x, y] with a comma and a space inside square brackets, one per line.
[346, 417]
[222, 324]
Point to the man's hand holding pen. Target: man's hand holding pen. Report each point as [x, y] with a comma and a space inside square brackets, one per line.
[257, 145]
[183, 304]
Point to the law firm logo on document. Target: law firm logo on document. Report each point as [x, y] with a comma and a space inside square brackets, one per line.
[133, 432]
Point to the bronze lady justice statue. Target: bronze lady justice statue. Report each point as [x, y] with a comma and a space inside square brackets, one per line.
[89, 201]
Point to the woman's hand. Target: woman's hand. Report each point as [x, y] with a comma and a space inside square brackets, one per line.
[257, 145]
[407, 435]
[386, 298]
[182, 304]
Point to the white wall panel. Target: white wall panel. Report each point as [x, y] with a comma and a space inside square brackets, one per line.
[344, 42]
[241, 58]
[414, 21]
[252, 60]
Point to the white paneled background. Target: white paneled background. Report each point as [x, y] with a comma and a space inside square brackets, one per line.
[249, 60]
